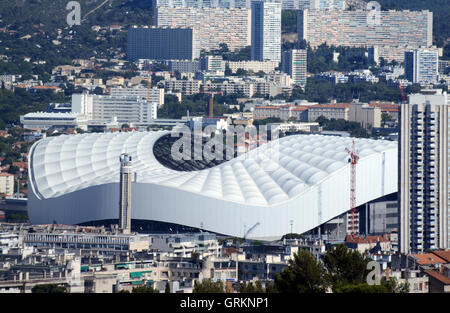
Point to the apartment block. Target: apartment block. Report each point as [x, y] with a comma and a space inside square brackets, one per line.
[212, 63]
[393, 32]
[156, 94]
[126, 109]
[186, 87]
[329, 111]
[365, 114]
[422, 66]
[163, 43]
[214, 25]
[7, 184]
[266, 31]
[423, 172]
[294, 63]
[253, 66]
[183, 66]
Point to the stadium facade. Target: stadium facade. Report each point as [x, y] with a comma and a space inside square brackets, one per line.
[297, 181]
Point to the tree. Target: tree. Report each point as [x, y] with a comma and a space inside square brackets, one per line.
[144, 289]
[303, 275]
[345, 266]
[393, 286]
[250, 288]
[49, 288]
[167, 289]
[207, 286]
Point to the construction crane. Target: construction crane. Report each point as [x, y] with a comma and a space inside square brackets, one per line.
[250, 230]
[353, 161]
[402, 93]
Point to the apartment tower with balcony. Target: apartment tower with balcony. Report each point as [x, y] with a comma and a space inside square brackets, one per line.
[423, 172]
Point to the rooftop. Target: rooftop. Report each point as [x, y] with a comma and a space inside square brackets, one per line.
[428, 259]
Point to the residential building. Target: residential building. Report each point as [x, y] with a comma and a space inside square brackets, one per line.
[214, 25]
[364, 114]
[329, 111]
[333, 77]
[444, 66]
[396, 32]
[183, 66]
[127, 109]
[423, 172]
[156, 94]
[7, 184]
[383, 217]
[212, 63]
[421, 66]
[294, 63]
[163, 43]
[253, 66]
[186, 87]
[266, 31]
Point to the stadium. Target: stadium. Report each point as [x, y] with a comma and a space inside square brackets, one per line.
[296, 184]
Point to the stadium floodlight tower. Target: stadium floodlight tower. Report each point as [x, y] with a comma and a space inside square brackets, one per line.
[125, 193]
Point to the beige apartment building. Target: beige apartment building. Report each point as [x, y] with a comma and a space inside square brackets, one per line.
[7, 184]
[336, 111]
[364, 114]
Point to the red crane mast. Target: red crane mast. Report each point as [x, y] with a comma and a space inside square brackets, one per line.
[353, 161]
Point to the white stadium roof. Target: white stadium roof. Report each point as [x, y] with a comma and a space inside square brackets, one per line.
[305, 178]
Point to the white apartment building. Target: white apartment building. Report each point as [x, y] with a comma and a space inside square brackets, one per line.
[422, 66]
[156, 94]
[127, 109]
[7, 184]
[294, 64]
[186, 87]
[253, 66]
[214, 25]
[423, 172]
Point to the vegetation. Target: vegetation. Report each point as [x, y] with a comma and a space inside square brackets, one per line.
[305, 274]
[354, 128]
[145, 289]
[252, 288]
[196, 105]
[49, 288]
[343, 270]
[207, 286]
[345, 266]
[167, 288]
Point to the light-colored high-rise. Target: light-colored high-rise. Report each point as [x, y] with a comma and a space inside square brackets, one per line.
[423, 172]
[214, 25]
[266, 31]
[125, 193]
[156, 94]
[294, 63]
[422, 65]
[392, 32]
